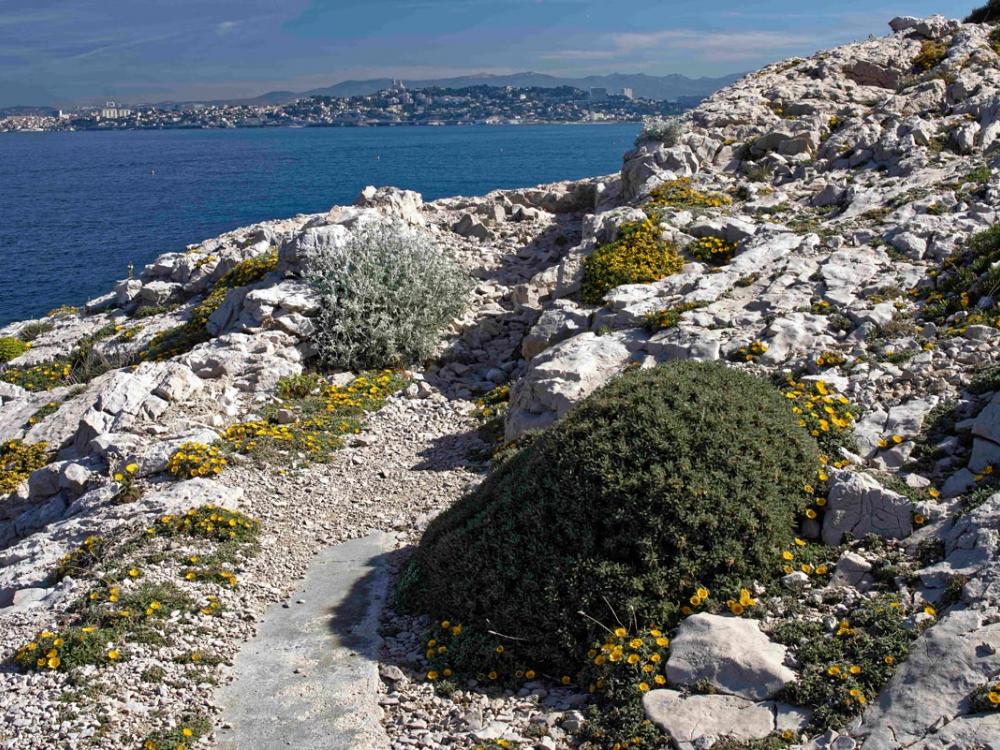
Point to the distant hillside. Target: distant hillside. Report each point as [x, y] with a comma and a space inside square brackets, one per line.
[646, 86]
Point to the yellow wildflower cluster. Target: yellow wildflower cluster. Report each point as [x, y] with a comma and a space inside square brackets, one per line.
[987, 698]
[712, 250]
[497, 663]
[697, 599]
[752, 352]
[984, 474]
[196, 460]
[798, 559]
[742, 604]
[124, 475]
[680, 193]
[315, 437]
[17, 460]
[500, 744]
[639, 255]
[222, 576]
[830, 359]
[207, 522]
[42, 377]
[365, 393]
[82, 559]
[493, 404]
[327, 415]
[44, 411]
[62, 650]
[11, 348]
[819, 407]
[890, 442]
[629, 662]
[669, 317]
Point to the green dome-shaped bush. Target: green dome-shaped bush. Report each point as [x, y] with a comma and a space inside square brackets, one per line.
[687, 475]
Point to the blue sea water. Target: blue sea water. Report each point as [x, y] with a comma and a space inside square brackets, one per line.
[76, 208]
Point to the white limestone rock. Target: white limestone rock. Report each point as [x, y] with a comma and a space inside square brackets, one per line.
[858, 505]
[700, 720]
[560, 376]
[731, 653]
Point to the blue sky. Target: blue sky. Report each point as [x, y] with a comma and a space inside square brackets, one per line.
[150, 50]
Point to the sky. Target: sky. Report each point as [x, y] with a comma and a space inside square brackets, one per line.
[87, 51]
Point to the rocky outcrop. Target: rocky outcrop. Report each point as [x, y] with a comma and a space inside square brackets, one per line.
[730, 654]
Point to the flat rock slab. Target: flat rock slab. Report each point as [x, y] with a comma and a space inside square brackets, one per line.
[309, 678]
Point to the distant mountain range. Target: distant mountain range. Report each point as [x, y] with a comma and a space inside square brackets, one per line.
[649, 87]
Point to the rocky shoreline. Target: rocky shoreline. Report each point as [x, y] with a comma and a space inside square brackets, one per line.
[822, 204]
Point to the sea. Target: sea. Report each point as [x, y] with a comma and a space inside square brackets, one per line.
[77, 208]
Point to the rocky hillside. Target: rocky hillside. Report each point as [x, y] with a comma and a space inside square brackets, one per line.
[828, 224]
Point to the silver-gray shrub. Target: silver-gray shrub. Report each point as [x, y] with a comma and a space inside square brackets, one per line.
[666, 130]
[385, 296]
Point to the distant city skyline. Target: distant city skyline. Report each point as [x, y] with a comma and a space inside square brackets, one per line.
[65, 52]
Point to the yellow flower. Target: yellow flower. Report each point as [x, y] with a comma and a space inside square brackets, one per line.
[800, 542]
[787, 555]
[930, 611]
[432, 675]
[993, 698]
[530, 674]
[635, 643]
[702, 593]
[662, 641]
[633, 659]
[643, 687]
[187, 732]
[119, 476]
[833, 670]
[114, 654]
[565, 679]
[621, 632]
[897, 439]
[919, 520]
[499, 649]
[810, 513]
[132, 468]
[889, 660]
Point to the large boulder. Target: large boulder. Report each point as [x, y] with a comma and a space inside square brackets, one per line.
[700, 720]
[560, 376]
[858, 505]
[731, 654]
[405, 204]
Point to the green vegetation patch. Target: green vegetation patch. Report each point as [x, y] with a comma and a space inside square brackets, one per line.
[17, 460]
[669, 317]
[667, 480]
[930, 56]
[639, 255]
[312, 416]
[968, 278]
[11, 347]
[843, 670]
[681, 193]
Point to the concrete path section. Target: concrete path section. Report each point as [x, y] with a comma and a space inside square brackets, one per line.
[309, 678]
